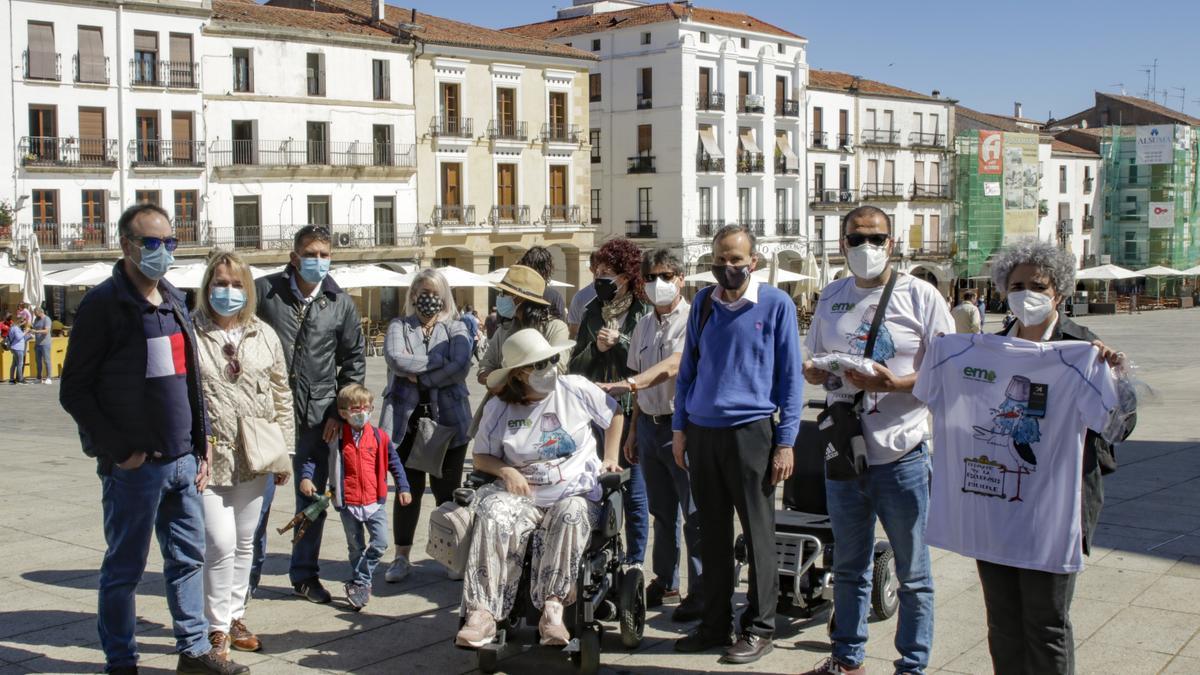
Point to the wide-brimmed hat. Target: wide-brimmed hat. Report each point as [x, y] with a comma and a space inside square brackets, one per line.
[524, 348]
[524, 282]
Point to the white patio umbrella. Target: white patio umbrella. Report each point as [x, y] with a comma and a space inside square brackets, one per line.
[191, 276]
[32, 292]
[11, 276]
[1160, 272]
[459, 278]
[369, 276]
[1192, 271]
[1107, 274]
[496, 276]
[87, 275]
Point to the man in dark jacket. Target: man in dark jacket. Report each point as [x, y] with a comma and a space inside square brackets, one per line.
[321, 333]
[131, 381]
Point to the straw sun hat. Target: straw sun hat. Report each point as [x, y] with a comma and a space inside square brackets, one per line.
[525, 283]
[524, 348]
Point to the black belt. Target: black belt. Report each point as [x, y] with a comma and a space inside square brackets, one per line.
[660, 419]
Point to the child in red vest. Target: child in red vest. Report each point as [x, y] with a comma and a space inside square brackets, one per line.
[359, 461]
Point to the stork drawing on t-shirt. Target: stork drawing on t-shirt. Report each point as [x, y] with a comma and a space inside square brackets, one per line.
[884, 349]
[555, 442]
[1011, 426]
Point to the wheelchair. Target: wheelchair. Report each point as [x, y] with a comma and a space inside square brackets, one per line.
[805, 546]
[603, 591]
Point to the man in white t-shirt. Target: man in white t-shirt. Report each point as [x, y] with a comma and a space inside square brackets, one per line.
[895, 487]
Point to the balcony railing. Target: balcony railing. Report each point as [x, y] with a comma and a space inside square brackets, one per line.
[508, 130]
[49, 151]
[750, 162]
[453, 214]
[920, 139]
[845, 142]
[169, 74]
[451, 127]
[561, 213]
[42, 66]
[930, 191]
[713, 100]
[1087, 185]
[203, 235]
[310, 153]
[751, 103]
[76, 236]
[781, 166]
[707, 227]
[927, 248]
[756, 225]
[819, 139]
[1088, 222]
[645, 102]
[509, 214]
[822, 195]
[706, 163]
[882, 191]
[90, 69]
[881, 137]
[641, 164]
[787, 108]
[641, 229]
[787, 228]
[560, 132]
[166, 154]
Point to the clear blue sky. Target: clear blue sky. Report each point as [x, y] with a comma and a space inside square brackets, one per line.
[1049, 54]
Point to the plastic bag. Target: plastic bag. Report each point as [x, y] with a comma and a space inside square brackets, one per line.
[1131, 390]
[837, 363]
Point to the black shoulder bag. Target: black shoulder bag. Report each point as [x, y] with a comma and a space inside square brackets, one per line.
[840, 424]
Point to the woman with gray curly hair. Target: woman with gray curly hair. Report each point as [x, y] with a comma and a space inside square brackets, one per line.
[1028, 611]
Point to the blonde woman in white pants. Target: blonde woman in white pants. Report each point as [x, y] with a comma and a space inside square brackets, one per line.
[243, 374]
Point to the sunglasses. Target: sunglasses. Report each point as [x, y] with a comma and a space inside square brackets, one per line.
[665, 276]
[856, 239]
[233, 367]
[152, 243]
[546, 363]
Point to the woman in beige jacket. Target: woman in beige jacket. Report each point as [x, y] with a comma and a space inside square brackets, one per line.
[243, 373]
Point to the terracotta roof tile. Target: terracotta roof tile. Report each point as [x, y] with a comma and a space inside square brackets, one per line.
[1064, 147]
[246, 12]
[829, 79]
[644, 16]
[995, 121]
[1170, 113]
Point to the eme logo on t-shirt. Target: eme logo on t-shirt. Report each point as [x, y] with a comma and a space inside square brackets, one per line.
[979, 374]
[166, 356]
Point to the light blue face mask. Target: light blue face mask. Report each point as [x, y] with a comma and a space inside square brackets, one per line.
[154, 264]
[313, 270]
[226, 300]
[505, 306]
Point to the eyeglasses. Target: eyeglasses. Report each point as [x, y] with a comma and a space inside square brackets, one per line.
[546, 363]
[152, 243]
[856, 239]
[359, 409]
[665, 276]
[233, 367]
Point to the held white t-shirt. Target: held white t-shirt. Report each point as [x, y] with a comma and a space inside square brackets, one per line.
[550, 442]
[1010, 418]
[893, 424]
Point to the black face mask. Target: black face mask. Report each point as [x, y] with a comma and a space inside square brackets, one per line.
[731, 277]
[606, 289]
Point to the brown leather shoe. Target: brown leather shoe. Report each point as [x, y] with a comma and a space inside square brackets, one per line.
[241, 639]
[220, 644]
[832, 666]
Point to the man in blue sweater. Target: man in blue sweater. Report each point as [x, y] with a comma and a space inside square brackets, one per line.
[740, 366]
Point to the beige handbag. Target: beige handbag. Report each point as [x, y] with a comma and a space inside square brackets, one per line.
[263, 444]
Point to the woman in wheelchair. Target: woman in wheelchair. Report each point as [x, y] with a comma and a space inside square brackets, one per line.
[536, 437]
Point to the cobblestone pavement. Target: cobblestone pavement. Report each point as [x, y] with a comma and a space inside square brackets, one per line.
[1135, 607]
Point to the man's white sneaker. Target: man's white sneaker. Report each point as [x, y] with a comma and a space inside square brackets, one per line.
[398, 570]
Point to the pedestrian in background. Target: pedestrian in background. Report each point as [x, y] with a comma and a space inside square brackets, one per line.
[966, 315]
[522, 304]
[17, 341]
[539, 259]
[42, 342]
[581, 299]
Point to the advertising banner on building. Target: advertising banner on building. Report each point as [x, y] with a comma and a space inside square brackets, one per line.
[1162, 215]
[991, 148]
[991, 189]
[1155, 144]
[1020, 182]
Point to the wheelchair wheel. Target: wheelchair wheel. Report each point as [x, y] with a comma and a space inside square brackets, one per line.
[631, 607]
[489, 658]
[587, 659]
[884, 597]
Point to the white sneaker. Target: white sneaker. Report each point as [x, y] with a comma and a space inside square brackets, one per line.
[398, 570]
[46, 381]
[453, 575]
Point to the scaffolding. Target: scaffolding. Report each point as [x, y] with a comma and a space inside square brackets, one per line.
[1129, 191]
[979, 223]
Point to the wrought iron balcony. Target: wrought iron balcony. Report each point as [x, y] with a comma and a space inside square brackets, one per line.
[787, 108]
[706, 163]
[560, 132]
[42, 66]
[751, 103]
[929, 248]
[310, 153]
[169, 74]
[707, 227]
[166, 154]
[919, 139]
[711, 101]
[1088, 222]
[453, 214]
[451, 127]
[882, 191]
[820, 139]
[824, 196]
[1087, 185]
[103, 236]
[880, 137]
[845, 142]
[51, 151]
[509, 214]
[750, 162]
[645, 102]
[930, 191]
[789, 227]
[562, 213]
[641, 229]
[90, 69]
[782, 168]
[756, 225]
[641, 164]
[508, 130]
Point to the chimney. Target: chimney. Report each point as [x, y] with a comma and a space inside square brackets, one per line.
[377, 11]
[936, 93]
[1017, 109]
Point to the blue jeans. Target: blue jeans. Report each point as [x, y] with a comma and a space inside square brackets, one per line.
[16, 370]
[43, 361]
[363, 557]
[306, 553]
[161, 499]
[898, 494]
[670, 494]
[637, 516]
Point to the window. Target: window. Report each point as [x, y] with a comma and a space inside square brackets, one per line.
[506, 190]
[385, 210]
[243, 71]
[91, 135]
[933, 123]
[1087, 216]
[182, 137]
[844, 177]
[935, 226]
[91, 66]
[919, 172]
[381, 138]
[594, 141]
[781, 48]
[43, 59]
[889, 176]
[644, 200]
[744, 206]
[186, 206]
[645, 85]
[819, 228]
[246, 222]
[381, 84]
[318, 210]
[1062, 179]
[558, 185]
[449, 109]
[558, 116]
[594, 87]
[1087, 180]
[916, 233]
[317, 137]
[180, 71]
[818, 121]
[818, 179]
[94, 205]
[148, 197]
[1131, 247]
[243, 132]
[43, 129]
[781, 205]
[645, 38]
[935, 173]
[45, 216]
[145, 57]
[704, 37]
[452, 184]
[918, 122]
[315, 73]
[745, 43]
[506, 102]
[595, 207]
[147, 136]
[596, 45]
[706, 205]
[645, 133]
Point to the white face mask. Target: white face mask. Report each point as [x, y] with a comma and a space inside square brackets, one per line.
[543, 381]
[358, 420]
[662, 293]
[867, 261]
[1030, 307]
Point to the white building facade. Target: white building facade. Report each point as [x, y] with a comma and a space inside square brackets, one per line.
[1069, 191]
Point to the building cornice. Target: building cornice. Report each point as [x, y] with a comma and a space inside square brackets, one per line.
[308, 100]
[202, 9]
[871, 95]
[430, 51]
[221, 28]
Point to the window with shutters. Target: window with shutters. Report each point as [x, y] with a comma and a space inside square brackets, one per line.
[243, 70]
[595, 207]
[182, 137]
[506, 189]
[41, 59]
[506, 113]
[43, 132]
[594, 87]
[181, 70]
[381, 87]
[92, 144]
[317, 138]
[186, 206]
[558, 117]
[246, 232]
[450, 110]
[94, 207]
[645, 135]
[451, 184]
[90, 63]
[45, 217]
[645, 203]
[315, 73]
[381, 137]
[646, 38]
[818, 179]
[594, 141]
[147, 136]
[145, 58]
[645, 91]
[148, 197]
[1062, 179]
[318, 210]
[558, 185]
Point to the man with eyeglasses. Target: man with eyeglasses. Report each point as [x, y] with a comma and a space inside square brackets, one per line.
[654, 352]
[323, 344]
[895, 486]
[131, 381]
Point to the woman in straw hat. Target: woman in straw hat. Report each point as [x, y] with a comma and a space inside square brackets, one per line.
[536, 437]
[521, 304]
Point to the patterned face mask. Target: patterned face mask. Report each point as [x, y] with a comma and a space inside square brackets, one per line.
[428, 304]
